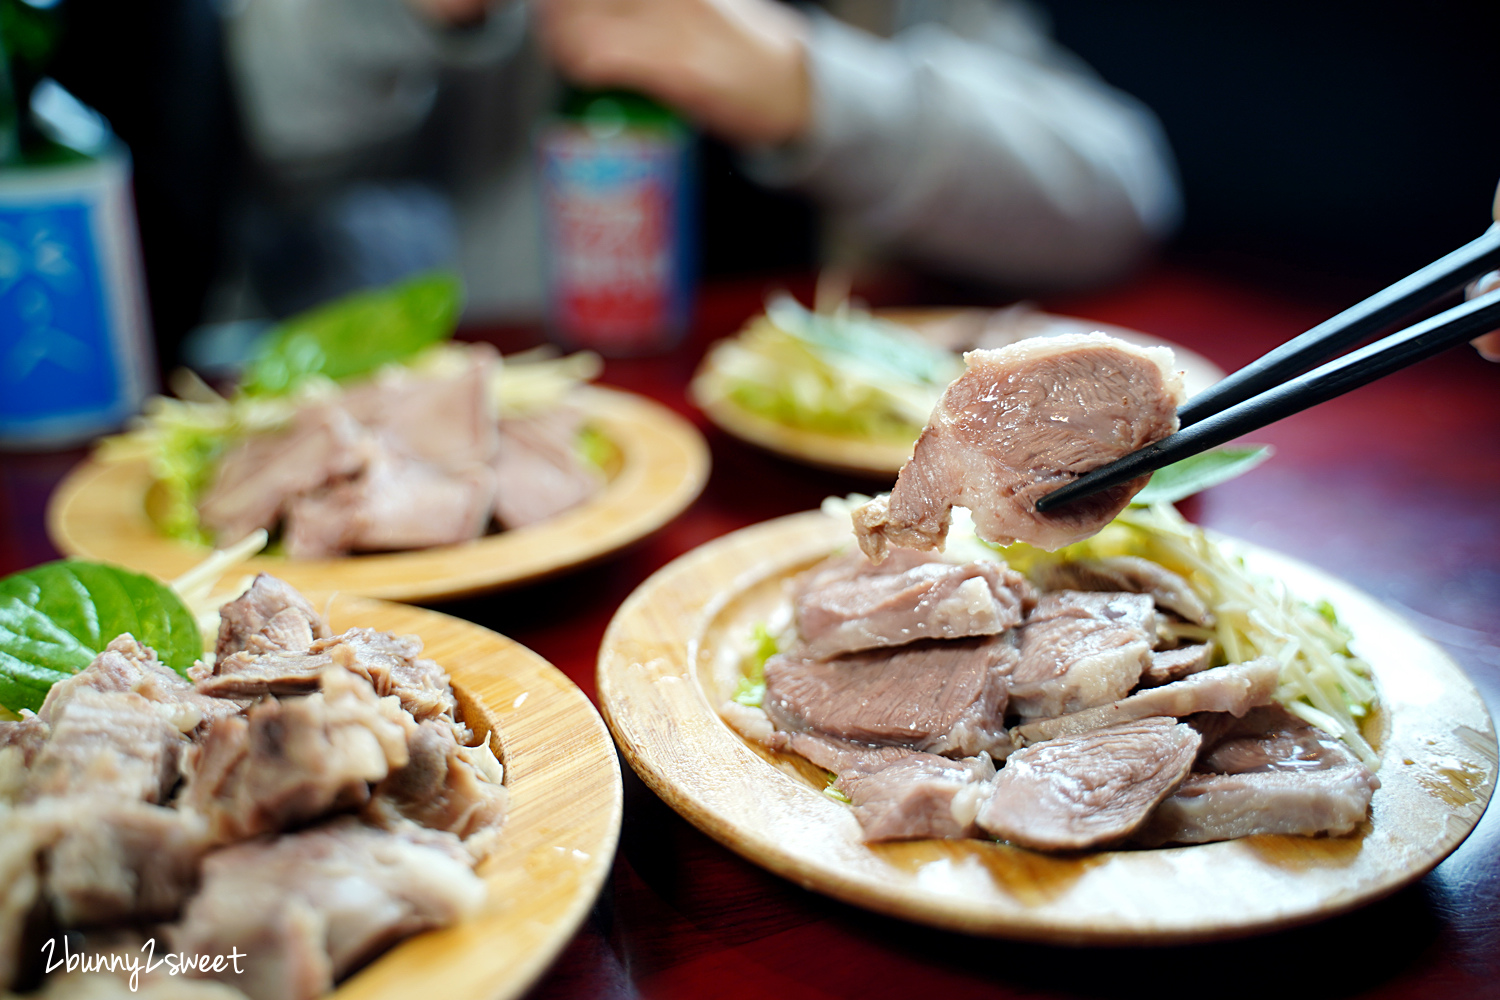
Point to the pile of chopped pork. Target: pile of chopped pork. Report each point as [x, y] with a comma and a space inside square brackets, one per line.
[408, 459]
[910, 676]
[309, 800]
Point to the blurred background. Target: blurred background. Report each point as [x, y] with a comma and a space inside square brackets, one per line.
[1318, 142]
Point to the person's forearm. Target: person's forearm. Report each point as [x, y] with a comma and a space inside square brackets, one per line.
[979, 161]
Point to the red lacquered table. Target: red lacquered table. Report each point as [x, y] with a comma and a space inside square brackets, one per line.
[1395, 488]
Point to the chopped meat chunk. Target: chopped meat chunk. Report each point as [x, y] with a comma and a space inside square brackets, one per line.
[391, 663]
[539, 470]
[1235, 689]
[110, 744]
[125, 666]
[443, 786]
[1134, 575]
[919, 795]
[269, 616]
[847, 604]
[1079, 650]
[1089, 789]
[304, 909]
[20, 888]
[117, 860]
[1021, 422]
[288, 761]
[946, 698]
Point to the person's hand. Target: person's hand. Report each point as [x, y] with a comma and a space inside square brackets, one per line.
[1489, 344]
[735, 67]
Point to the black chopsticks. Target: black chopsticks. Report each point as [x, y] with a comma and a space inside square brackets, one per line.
[1349, 327]
[1227, 414]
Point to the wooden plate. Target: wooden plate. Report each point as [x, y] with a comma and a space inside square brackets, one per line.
[98, 512]
[559, 840]
[882, 459]
[673, 653]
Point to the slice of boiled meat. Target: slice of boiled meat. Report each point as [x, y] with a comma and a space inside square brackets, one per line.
[833, 754]
[946, 698]
[398, 503]
[1079, 650]
[254, 481]
[847, 604]
[1021, 422]
[918, 796]
[539, 471]
[1090, 789]
[1270, 772]
[443, 418]
[1235, 689]
[1168, 665]
[1133, 574]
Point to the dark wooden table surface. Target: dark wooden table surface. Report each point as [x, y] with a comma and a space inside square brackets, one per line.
[1395, 488]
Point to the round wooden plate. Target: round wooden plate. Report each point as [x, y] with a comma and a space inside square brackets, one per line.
[882, 459]
[558, 842]
[673, 654]
[99, 512]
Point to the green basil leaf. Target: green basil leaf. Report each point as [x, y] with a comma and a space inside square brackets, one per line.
[1199, 472]
[357, 334]
[55, 618]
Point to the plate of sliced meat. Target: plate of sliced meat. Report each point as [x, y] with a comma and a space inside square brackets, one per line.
[1101, 749]
[657, 465]
[351, 799]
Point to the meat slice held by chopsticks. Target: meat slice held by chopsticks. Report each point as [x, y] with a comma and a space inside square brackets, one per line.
[1020, 423]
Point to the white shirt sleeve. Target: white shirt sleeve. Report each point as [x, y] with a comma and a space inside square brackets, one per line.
[1007, 162]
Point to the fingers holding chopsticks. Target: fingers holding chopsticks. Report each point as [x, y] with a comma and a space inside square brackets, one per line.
[1488, 345]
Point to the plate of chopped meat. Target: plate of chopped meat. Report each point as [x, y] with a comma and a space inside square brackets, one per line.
[851, 390]
[652, 464]
[350, 798]
[1098, 724]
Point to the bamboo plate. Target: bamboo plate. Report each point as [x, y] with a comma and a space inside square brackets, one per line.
[673, 653]
[882, 459]
[558, 842]
[98, 512]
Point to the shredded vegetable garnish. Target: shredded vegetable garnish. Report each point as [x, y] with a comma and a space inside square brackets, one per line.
[845, 373]
[196, 587]
[751, 691]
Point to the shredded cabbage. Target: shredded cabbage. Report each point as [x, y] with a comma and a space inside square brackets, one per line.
[845, 373]
[751, 690]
